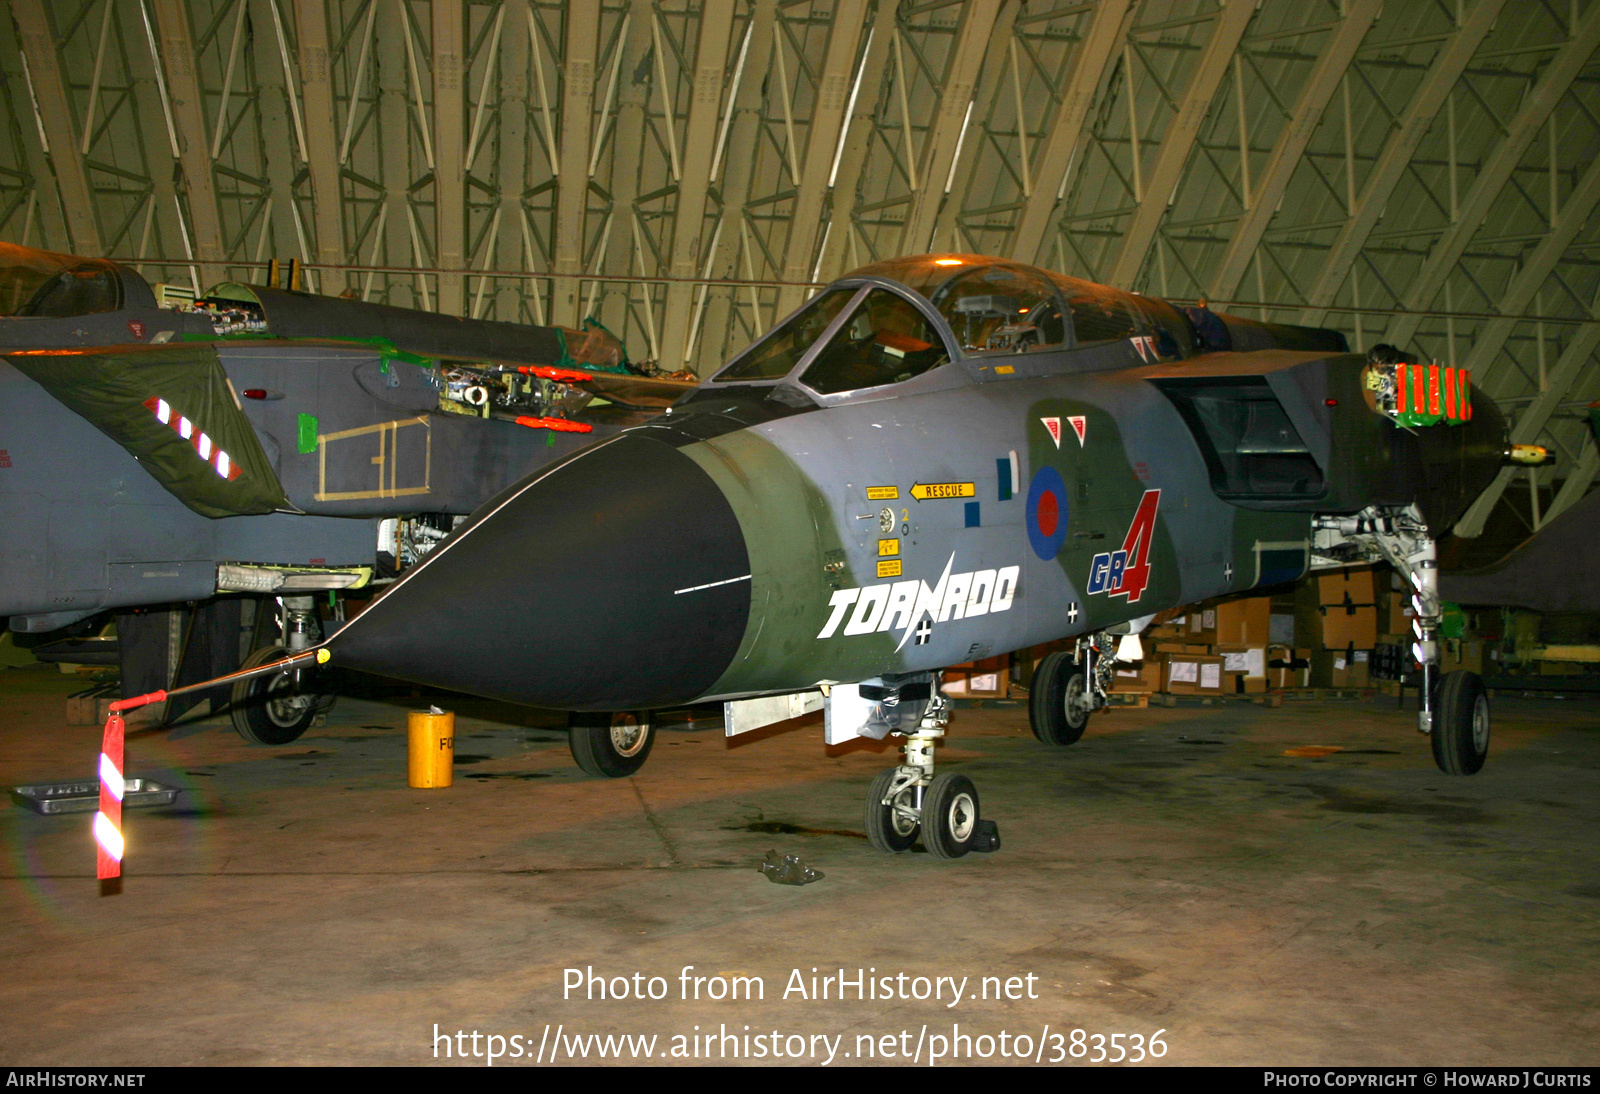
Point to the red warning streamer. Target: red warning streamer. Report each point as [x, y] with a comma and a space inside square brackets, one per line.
[108, 821]
[559, 425]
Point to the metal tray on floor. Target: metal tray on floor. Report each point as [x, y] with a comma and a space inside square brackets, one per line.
[83, 796]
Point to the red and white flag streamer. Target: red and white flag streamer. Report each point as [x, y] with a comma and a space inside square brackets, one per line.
[108, 821]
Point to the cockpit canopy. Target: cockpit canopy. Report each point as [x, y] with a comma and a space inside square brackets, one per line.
[45, 285]
[871, 336]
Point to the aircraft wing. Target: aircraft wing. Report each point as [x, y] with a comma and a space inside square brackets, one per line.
[1556, 570]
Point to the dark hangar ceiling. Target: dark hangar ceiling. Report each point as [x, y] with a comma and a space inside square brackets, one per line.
[1423, 172]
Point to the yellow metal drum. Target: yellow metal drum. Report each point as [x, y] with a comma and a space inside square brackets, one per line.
[431, 740]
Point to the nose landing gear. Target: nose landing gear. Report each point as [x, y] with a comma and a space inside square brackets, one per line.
[910, 800]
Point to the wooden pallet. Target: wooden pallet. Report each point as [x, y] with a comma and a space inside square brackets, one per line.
[1295, 695]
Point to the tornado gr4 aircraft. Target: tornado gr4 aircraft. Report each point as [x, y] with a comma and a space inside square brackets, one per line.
[936, 459]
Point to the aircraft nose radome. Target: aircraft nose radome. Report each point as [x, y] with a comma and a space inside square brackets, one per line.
[618, 581]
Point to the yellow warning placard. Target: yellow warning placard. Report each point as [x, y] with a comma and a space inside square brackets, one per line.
[889, 569]
[887, 547]
[927, 491]
[882, 493]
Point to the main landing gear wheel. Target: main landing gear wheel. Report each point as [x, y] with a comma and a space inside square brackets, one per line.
[272, 710]
[950, 816]
[1059, 701]
[1460, 732]
[889, 829]
[611, 745]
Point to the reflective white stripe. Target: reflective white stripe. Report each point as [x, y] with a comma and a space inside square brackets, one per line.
[205, 447]
[107, 836]
[185, 428]
[222, 464]
[163, 411]
[112, 777]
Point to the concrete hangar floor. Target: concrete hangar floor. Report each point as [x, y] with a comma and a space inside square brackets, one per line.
[1174, 871]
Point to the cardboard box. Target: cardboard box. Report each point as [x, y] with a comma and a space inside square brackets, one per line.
[1351, 586]
[989, 678]
[1335, 627]
[1141, 676]
[1237, 683]
[1249, 660]
[1288, 667]
[1244, 622]
[1201, 629]
[1182, 647]
[1192, 674]
[960, 684]
[1340, 669]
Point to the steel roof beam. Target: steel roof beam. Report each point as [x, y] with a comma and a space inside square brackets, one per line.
[183, 83]
[512, 121]
[853, 156]
[49, 90]
[950, 118]
[1107, 31]
[995, 74]
[40, 173]
[1536, 108]
[1178, 141]
[449, 147]
[582, 43]
[1391, 164]
[626, 153]
[699, 142]
[322, 144]
[1520, 291]
[828, 116]
[737, 167]
[1578, 480]
[1337, 54]
[1535, 416]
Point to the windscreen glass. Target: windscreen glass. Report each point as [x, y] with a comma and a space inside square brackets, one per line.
[775, 356]
[885, 340]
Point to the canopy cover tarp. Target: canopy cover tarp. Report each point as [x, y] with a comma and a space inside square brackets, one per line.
[122, 392]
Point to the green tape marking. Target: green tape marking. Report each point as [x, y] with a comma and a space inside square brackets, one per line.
[308, 434]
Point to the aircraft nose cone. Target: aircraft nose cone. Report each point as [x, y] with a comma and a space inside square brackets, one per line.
[615, 581]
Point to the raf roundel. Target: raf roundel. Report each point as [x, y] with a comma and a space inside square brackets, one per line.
[1047, 513]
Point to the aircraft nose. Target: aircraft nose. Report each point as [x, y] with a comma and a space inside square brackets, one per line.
[618, 580]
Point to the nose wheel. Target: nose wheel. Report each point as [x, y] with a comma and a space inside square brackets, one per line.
[610, 745]
[909, 801]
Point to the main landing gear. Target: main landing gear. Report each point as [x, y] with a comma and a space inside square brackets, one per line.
[1455, 710]
[610, 745]
[909, 801]
[1070, 685]
[277, 709]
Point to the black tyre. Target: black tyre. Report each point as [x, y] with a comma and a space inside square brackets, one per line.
[271, 710]
[949, 816]
[888, 830]
[1058, 708]
[1461, 724]
[611, 745]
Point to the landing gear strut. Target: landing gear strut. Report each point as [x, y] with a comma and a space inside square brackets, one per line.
[1070, 685]
[910, 800]
[1455, 710]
